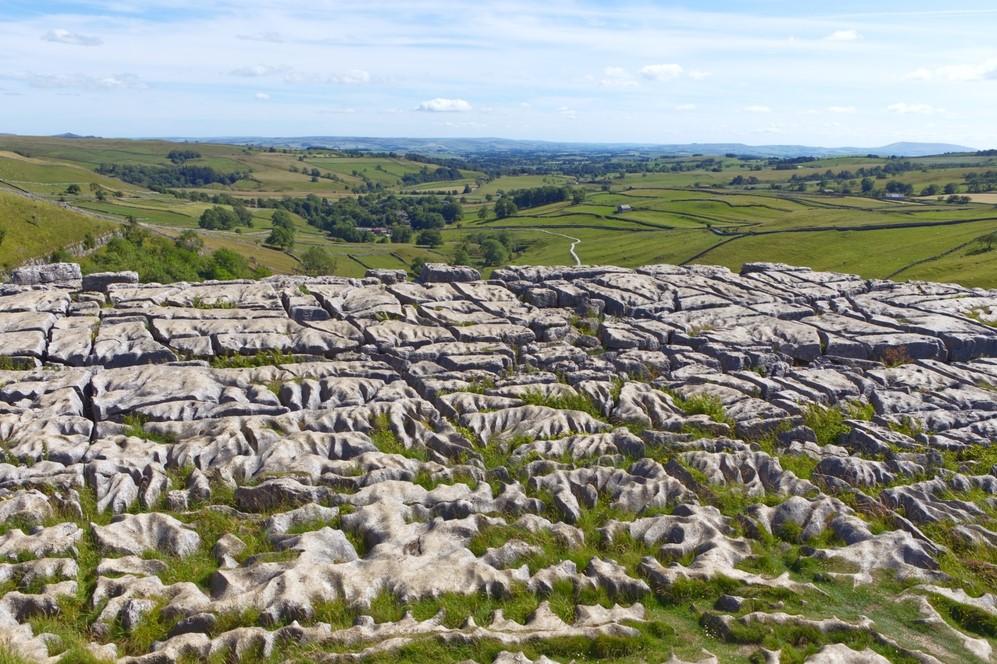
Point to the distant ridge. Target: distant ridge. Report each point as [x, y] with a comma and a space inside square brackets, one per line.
[459, 146]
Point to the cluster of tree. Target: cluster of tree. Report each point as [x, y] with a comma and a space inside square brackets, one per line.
[877, 172]
[740, 180]
[282, 233]
[979, 182]
[221, 198]
[165, 261]
[788, 163]
[349, 218]
[488, 249]
[162, 178]
[223, 219]
[180, 156]
[505, 207]
[935, 190]
[441, 174]
[537, 196]
[897, 187]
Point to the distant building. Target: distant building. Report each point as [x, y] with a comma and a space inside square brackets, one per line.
[622, 208]
[893, 196]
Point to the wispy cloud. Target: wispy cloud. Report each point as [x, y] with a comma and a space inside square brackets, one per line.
[843, 36]
[617, 77]
[262, 96]
[440, 105]
[272, 37]
[964, 72]
[80, 81]
[911, 109]
[352, 77]
[254, 71]
[841, 109]
[60, 36]
[757, 108]
[662, 72]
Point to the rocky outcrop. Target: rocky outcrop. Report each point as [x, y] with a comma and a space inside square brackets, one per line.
[320, 449]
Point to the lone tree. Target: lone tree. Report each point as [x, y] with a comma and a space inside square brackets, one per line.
[988, 240]
[282, 234]
[317, 262]
[430, 238]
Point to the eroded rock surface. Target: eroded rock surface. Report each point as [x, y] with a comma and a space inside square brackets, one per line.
[338, 468]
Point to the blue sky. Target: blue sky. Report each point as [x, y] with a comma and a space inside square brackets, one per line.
[770, 71]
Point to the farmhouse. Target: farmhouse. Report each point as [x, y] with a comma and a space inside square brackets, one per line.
[622, 208]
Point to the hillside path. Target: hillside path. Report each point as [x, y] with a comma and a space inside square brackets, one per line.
[578, 261]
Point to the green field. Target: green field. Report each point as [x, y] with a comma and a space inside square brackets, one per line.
[681, 208]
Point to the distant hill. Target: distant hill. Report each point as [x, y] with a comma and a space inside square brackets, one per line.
[503, 145]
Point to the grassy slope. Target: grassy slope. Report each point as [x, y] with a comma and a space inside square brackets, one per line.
[668, 222]
[35, 229]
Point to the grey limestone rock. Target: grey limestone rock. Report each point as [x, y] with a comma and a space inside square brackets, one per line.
[46, 274]
[441, 272]
[419, 419]
[135, 534]
[99, 281]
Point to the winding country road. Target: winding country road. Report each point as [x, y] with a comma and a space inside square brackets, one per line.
[578, 261]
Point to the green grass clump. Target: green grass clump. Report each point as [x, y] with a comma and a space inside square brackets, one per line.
[386, 441]
[704, 404]
[827, 423]
[135, 426]
[578, 401]
[274, 357]
[909, 426]
[966, 617]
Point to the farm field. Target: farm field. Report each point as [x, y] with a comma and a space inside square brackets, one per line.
[680, 209]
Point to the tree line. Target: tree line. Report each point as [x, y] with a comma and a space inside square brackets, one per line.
[162, 178]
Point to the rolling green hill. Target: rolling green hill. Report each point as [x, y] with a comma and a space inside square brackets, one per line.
[680, 208]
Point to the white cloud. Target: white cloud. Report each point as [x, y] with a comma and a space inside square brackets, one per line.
[617, 77]
[972, 72]
[569, 113]
[262, 95]
[663, 72]
[841, 109]
[273, 37]
[697, 75]
[757, 109]
[81, 81]
[911, 109]
[843, 36]
[440, 105]
[685, 107]
[60, 36]
[352, 77]
[254, 71]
